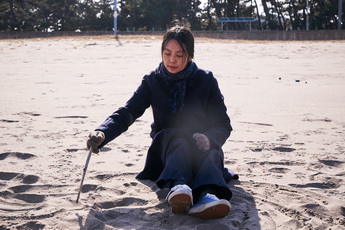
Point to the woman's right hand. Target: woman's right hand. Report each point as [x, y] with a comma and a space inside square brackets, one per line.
[95, 139]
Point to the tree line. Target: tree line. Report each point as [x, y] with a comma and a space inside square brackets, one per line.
[149, 15]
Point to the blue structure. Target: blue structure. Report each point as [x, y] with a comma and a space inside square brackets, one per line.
[223, 21]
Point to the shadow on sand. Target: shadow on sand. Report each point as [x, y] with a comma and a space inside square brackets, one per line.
[133, 213]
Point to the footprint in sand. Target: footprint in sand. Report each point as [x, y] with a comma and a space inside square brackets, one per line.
[31, 225]
[29, 113]
[26, 179]
[283, 149]
[8, 175]
[18, 192]
[124, 202]
[73, 117]
[30, 179]
[104, 177]
[88, 188]
[279, 170]
[30, 198]
[130, 184]
[22, 156]
[322, 185]
[8, 121]
[21, 188]
[332, 163]
[282, 163]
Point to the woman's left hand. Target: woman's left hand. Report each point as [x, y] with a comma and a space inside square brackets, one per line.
[202, 141]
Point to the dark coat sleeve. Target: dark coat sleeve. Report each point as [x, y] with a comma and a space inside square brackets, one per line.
[204, 110]
[220, 127]
[120, 120]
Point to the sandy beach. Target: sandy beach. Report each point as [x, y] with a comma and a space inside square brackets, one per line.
[286, 101]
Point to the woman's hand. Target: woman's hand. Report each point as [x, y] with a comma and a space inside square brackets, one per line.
[202, 141]
[95, 139]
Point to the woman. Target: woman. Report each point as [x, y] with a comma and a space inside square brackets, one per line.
[190, 126]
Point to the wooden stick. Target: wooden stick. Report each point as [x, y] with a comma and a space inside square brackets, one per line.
[84, 172]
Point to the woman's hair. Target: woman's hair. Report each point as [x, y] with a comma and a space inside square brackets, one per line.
[183, 36]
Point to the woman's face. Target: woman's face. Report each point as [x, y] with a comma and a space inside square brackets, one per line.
[174, 58]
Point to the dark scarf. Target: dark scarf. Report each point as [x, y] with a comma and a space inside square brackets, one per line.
[178, 82]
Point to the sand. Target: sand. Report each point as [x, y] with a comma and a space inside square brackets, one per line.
[286, 101]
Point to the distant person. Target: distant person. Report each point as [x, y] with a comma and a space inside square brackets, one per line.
[189, 129]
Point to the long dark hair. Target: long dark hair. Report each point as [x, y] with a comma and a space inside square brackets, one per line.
[183, 36]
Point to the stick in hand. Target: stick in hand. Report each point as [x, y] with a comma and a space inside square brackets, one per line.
[84, 172]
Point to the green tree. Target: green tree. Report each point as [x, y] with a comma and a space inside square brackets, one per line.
[130, 14]
[106, 15]
[323, 14]
[17, 15]
[187, 13]
[156, 14]
[69, 15]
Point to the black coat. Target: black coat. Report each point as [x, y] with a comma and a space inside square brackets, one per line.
[204, 111]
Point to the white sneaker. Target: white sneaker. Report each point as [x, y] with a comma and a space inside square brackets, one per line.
[210, 207]
[180, 198]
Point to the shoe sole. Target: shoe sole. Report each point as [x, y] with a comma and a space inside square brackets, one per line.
[180, 202]
[215, 210]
